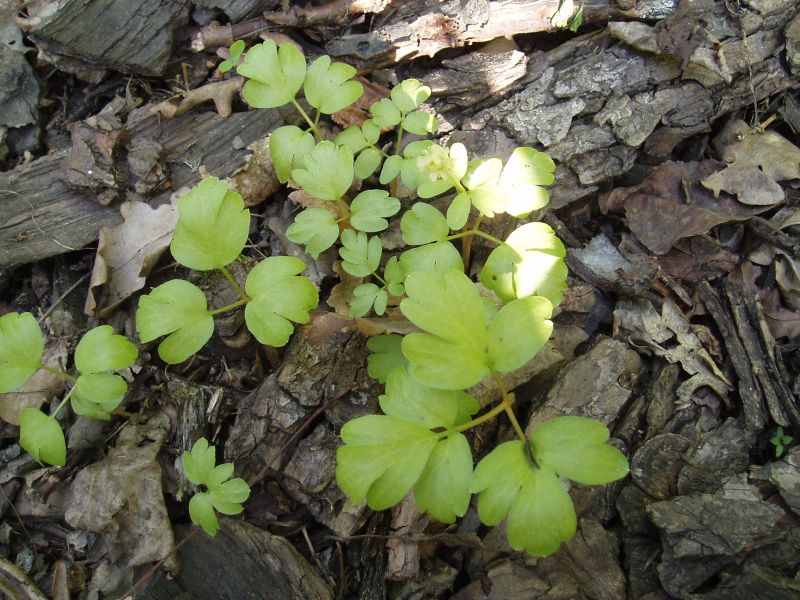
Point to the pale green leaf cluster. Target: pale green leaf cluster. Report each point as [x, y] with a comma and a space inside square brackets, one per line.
[221, 493]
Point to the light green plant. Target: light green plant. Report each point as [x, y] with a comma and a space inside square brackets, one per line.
[780, 440]
[95, 392]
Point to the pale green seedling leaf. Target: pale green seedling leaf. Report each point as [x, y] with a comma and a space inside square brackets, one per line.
[452, 353]
[199, 462]
[531, 262]
[278, 296]
[227, 496]
[371, 131]
[539, 510]
[364, 297]
[327, 171]
[96, 395]
[385, 356]
[328, 86]
[41, 437]
[576, 448]
[21, 349]
[423, 224]
[429, 189]
[353, 138]
[371, 208]
[367, 162]
[212, 226]
[458, 212]
[361, 256]
[482, 172]
[394, 275]
[489, 199]
[287, 147]
[201, 512]
[275, 75]
[524, 174]
[439, 257]
[179, 310]
[391, 169]
[411, 400]
[409, 94]
[385, 114]
[518, 331]
[315, 227]
[382, 459]
[235, 50]
[100, 349]
[442, 490]
[420, 122]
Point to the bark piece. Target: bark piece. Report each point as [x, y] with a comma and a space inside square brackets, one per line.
[235, 9]
[597, 384]
[241, 561]
[132, 37]
[756, 582]
[715, 457]
[656, 464]
[640, 560]
[785, 475]
[19, 89]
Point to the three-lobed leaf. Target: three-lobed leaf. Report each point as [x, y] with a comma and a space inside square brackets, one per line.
[179, 310]
[523, 176]
[212, 227]
[365, 296]
[370, 209]
[327, 171]
[316, 227]
[275, 74]
[21, 349]
[287, 147]
[442, 489]
[328, 86]
[41, 437]
[278, 297]
[440, 257]
[361, 256]
[423, 224]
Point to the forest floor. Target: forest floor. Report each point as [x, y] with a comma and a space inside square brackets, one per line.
[674, 127]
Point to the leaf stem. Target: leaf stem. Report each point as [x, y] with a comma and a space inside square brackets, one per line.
[507, 406]
[399, 139]
[59, 373]
[234, 283]
[478, 420]
[471, 232]
[63, 402]
[307, 119]
[236, 304]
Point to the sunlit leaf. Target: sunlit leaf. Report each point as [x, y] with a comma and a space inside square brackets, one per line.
[440, 257]
[21, 349]
[41, 437]
[458, 212]
[420, 122]
[287, 147]
[275, 75]
[315, 227]
[524, 174]
[179, 310]
[278, 296]
[327, 171]
[199, 462]
[201, 512]
[409, 94]
[212, 226]
[385, 114]
[328, 86]
[361, 256]
[518, 331]
[96, 395]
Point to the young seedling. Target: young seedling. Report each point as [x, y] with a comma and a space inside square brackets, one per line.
[780, 440]
[218, 491]
[95, 392]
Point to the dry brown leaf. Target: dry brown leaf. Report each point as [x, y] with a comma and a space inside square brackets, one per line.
[342, 292]
[39, 389]
[127, 252]
[221, 93]
[392, 322]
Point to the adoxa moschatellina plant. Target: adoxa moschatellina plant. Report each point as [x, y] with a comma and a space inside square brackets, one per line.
[464, 337]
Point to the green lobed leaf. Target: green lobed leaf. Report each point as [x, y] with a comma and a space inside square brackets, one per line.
[212, 228]
[391, 169]
[385, 356]
[576, 448]
[442, 490]
[21, 349]
[199, 462]
[352, 137]
[524, 174]
[96, 395]
[423, 224]
[227, 496]
[382, 459]
[413, 401]
[420, 122]
[439, 257]
[364, 297]
[287, 147]
[531, 262]
[482, 172]
[452, 353]
[518, 331]
[370, 209]
[539, 511]
[100, 349]
[278, 296]
[458, 211]
[179, 310]
[201, 512]
[41, 437]
[275, 75]
[315, 227]
[371, 131]
[409, 94]
[489, 199]
[394, 275]
[327, 171]
[367, 162]
[385, 114]
[327, 85]
[361, 256]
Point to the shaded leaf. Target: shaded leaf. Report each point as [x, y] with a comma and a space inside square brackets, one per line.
[100, 349]
[328, 86]
[21, 349]
[287, 147]
[371, 208]
[41, 437]
[367, 163]
[316, 228]
[385, 356]
[327, 171]
[423, 224]
[361, 256]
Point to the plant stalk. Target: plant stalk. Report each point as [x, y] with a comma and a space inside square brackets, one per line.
[236, 304]
[307, 119]
[234, 283]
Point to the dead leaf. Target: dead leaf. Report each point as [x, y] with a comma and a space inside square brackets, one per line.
[769, 151]
[342, 292]
[42, 387]
[221, 93]
[121, 497]
[256, 181]
[127, 252]
[392, 322]
[782, 322]
[324, 324]
[749, 184]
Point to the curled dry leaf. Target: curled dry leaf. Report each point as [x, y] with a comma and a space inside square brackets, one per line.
[127, 252]
[219, 92]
